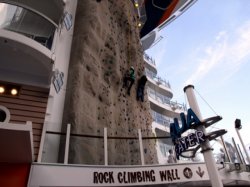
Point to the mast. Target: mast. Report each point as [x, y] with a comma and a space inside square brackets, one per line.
[206, 147]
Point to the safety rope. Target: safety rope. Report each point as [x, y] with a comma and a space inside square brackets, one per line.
[206, 102]
[109, 137]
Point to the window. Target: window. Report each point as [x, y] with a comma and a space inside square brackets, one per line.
[4, 114]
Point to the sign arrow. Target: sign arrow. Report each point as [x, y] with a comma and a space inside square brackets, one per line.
[199, 172]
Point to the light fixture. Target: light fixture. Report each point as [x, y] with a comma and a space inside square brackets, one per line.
[136, 5]
[13, 91]
[9, 89]
[139, 24]
[237, 124]
[2, 90]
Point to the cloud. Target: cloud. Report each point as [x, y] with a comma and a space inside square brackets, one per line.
[160, 54]
[226, 53]
[213, 55]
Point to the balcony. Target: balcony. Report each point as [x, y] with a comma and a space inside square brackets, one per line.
[165, 102]
[161, 119]
[157, 79]
[149, 59]
[25, 42]
[51, 10]
[27, 23]
[159, 84]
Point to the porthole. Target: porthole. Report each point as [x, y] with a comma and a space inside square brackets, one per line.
[4, 114]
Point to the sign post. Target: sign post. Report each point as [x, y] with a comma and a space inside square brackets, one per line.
[206, 148]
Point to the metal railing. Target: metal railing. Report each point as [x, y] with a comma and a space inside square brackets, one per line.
[223, 151]
[157, 79]
[18, 20]
[165, 100]
[149, 59]
[161, 119]
[68, 135]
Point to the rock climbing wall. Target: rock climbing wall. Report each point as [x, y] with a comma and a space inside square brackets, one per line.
[105, 44]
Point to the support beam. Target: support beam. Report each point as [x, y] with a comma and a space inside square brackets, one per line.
[66, 153]
[141, 147]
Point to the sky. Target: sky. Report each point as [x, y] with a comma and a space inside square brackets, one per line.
[208, 46]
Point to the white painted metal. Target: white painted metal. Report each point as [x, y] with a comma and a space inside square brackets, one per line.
[105, 146]
[243, 145]
[55, 175]
[40, 153]
[239, 159]
[16, 143]
[141, 147]
[52, 10]
[208, 156]
[66, 153]
[61, 49]
[29, 123]
[225, 149]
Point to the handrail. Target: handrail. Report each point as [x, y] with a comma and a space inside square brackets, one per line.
[162, 99]
[109, 137]
[150, 59]
[68, 134]
[156, 78]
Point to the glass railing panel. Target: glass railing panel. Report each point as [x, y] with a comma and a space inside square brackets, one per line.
[165, 100]
[86, 150]
[27, 23]
[164, 148]
[161, 119]
[121, 148]
[50, 153]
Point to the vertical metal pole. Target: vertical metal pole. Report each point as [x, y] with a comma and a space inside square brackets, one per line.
[225, 148]
[141, 147]
[40, 153]
[29, 123]
[242, 144]
[66, 153]
[206, 148]
[242, 157]
[105, 146]
[237, 152]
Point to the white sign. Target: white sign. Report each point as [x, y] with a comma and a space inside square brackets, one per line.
[70, 175]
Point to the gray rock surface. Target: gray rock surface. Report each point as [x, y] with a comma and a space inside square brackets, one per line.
[105, 44]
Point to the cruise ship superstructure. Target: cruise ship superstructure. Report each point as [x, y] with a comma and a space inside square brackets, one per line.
[35, 48]
[163, 109]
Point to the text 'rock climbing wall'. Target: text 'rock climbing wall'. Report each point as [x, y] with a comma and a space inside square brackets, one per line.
[105, 44]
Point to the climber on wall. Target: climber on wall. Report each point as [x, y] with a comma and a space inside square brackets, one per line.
[140, 88]
[129, 77]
